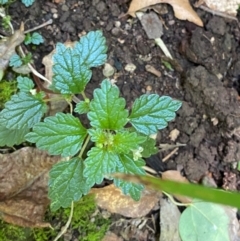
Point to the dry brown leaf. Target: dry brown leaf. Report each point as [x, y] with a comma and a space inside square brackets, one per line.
[226, 6]
[7, 47]
[112, 199]
[24, 186]
[176, 176]
[182, 9]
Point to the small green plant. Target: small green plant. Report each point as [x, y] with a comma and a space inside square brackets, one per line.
[120, 138]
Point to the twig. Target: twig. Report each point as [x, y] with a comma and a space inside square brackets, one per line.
[33, 70]
[50, 21]
[221, 14]
[170, 154]
[64, 229]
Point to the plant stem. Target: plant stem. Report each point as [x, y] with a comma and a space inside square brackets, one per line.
[64, 229]
[84, 146]
[84, 96]
[174, 202]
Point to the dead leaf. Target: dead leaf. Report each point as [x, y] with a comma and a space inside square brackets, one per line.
[169, 221]
[182, 9]
[112, 199]
[7, 47]
[226, 6]
[24, 186]
[176, 176]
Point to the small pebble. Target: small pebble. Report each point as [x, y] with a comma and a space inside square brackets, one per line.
[55, 15]
[65, 8]
[108, 70]
[130, 68]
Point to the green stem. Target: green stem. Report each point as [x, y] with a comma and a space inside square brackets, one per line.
[84, 96]
[84, 146]
[174, 202]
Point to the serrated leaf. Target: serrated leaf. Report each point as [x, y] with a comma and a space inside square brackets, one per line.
[22, 111]
[149, 147]
[92, 49]
[204, 221]
[3, 1]
[37, 38]
[69, 75]
[62, 134]
[10, 137]
[99, 163]
[67, 183]
[15, 61]
[28, 3]
[24, 84]
[124, 142]
[107, 108]
[128, 166]
[151, 113]
[27, 39]
[99, 136]
[82, 107]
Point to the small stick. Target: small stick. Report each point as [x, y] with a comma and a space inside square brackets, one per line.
[214, 12]
[170, 154]
[50, 21]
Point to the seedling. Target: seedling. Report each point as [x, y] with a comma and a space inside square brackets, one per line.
[120, 136]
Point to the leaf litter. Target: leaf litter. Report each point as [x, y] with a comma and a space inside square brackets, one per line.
[24, 186]
[182, 9]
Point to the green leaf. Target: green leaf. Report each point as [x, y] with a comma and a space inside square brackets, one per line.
[151, 113]
[149, 147]
[15, 61]
[62, 135]
[107, 108]
[28, 39]
[128, 166]
[37, 38]
[28, 3]
[10, 137]
[203, 221]
[24, 84]
[124, 142]
[99, 163]
[67, 183]
[92, 49]
[70, 76]
[4, 1]
[101, 137]
[22, 111]
[82, 107]
[187, 189]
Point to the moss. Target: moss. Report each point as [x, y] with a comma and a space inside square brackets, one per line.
[86, 224]
[7, 89]
[12, 233]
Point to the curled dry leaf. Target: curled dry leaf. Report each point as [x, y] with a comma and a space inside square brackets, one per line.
[24, 186]
[112, 199]
[7, 47]
[182, 9]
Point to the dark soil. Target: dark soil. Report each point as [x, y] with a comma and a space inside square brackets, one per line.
[206, 78]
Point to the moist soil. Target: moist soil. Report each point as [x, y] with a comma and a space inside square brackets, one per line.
[205, 76]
